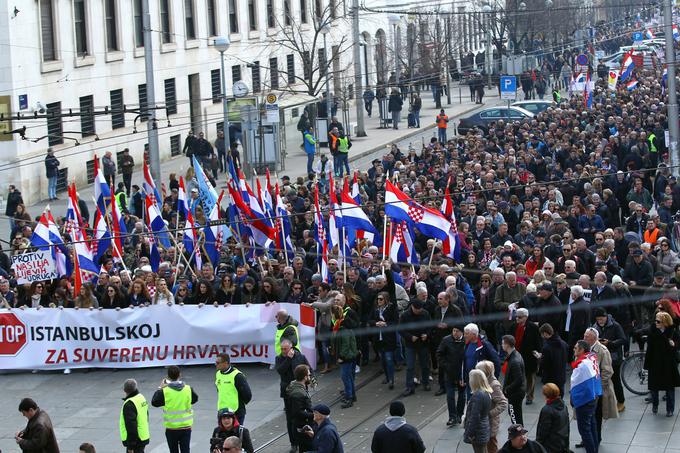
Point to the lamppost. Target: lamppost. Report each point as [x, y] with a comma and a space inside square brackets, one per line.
[324, 30]
[394, 20]
[222, 45]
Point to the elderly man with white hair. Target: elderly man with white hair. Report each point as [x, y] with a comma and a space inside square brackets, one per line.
[507, 296]
[527, 342]
[577, 319]
[478, 348]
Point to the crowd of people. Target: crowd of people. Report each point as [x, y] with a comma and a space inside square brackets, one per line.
[567, 254]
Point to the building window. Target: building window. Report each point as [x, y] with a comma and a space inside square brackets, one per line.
[143, 102]
[212, 18]
[303, 11]
[306, 65]
[170, 96]
[175, 145]
[87, 116]
[274, 73]
[55, 129]
[111, 25]
[89, 170]
[80, 25]
[290, 68]
[271, 21]
[322, 62]
[252, 15]
[165, 21]
[139, 23]
[117, 109]
[286, 11]
[233, 17]
[190, 26]
[255, 75]
[216, 84]
[236, 73]
[49, 51]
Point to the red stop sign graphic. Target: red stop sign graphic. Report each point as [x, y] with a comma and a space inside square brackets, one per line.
[12, 334]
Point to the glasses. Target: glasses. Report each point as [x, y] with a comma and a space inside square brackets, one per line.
[665, 245]
[599, 239]
[658, 321]
[380, 298]
[38, 286]
[567, 250]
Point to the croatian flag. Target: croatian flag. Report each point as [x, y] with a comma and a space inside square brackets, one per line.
[649, 34]
[428, 221]
[664, 77]
[451, 246]
[630, 86]
[356, 195]
[102, 192]
[214, 234]
[259, 227]
[149, 187]
[283, 228]
[189, 235]
[627, 66]
[46, 236]
[75, 226]
[321, 238]
[84, 265]
[156, 225]
[353, 217]
[102, 238]
[588, 94]
[586, 384]
[401, 249]
[676, 33]
[334, 220]
[119, 231]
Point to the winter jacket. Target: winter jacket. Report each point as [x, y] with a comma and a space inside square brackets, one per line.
[477, 426]
[386, 341]
[660, 358]
[530, 447]
[604, 360]
[326, 438]
[158, 398]
[515, 382]
[38, 436]
[554, 356]
[451, 356]
[499, 404]
[396, 435]
[130, 419]
[288, 332]
[552, 430]
[613, 333]
[51, 166]
[531, 341]
[310, 143]
[665, 262]
[345, 344]
[236, 431]
[418, 325]
[480, 350]
[285, 366]
[298, 405]
[395, 102]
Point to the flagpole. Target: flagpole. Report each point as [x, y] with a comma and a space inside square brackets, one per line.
[283, 240]
[432, 253]
[113, 242]
[344, 253]
[179, 251]
[385, 243]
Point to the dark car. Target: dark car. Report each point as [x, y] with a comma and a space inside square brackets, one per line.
[484, 117]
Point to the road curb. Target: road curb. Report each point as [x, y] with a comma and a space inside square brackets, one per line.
[415, 131]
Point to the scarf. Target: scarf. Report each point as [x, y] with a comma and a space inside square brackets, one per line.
[337, 324]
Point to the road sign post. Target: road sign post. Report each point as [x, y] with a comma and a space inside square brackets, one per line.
[508, 88]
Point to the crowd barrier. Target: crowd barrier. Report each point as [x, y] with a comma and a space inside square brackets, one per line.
[157, 335]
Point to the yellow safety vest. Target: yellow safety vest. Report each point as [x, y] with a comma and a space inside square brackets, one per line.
[652, 146]
[344, 314]
[119, 200]
[227, 395]
[343, 145]
[279, 333]
[142, 418]
[177, 412]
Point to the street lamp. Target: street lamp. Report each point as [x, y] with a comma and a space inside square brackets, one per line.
[222, 45]
[324, 30]
[487, 9]
[394, 20]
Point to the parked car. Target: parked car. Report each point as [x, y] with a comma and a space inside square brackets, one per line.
[481, 119]
[535, 106]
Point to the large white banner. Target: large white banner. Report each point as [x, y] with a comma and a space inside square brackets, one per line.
[52, 338]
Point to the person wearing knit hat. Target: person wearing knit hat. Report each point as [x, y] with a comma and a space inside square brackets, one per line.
[395, 435]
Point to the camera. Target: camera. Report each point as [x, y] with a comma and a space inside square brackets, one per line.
[216, 443]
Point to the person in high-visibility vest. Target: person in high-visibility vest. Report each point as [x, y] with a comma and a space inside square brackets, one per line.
[286, 328]
[176, 398]
[134, 419]
[233, 391]
[442, 124]
[344, 144]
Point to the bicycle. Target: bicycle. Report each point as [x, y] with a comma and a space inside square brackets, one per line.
[633, 376]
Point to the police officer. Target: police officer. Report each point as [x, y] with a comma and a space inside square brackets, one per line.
[233, 390]
[134, 419]
[176, 398]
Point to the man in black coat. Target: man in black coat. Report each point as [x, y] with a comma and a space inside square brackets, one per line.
[553, 357]
[549, 306]
[286, 362]
[527, 341]
[611, 335]
[395, 435]
[578, 316]
[299, 408]
[445, 314]
[515, 383]
[451, 356]
[39, 434]
[603, 294]
[415, 338]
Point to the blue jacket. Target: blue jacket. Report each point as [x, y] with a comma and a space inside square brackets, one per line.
[327, 439]
[310, 143]
[478, 351]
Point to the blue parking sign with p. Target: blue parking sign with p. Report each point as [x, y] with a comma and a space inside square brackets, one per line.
[508, 87]
[637, 37]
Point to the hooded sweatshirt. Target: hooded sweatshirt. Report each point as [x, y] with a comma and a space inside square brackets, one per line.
[397, 435]
[158, 399]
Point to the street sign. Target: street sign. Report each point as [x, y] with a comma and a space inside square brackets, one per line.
[23, 101]
[637, 37]
[582, 60]
[508, 88]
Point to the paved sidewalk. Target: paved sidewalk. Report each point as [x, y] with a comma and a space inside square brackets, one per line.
[295, 163]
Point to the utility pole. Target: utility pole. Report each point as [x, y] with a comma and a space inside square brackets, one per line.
[358, 90]
[152, 130]
[672, 95]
